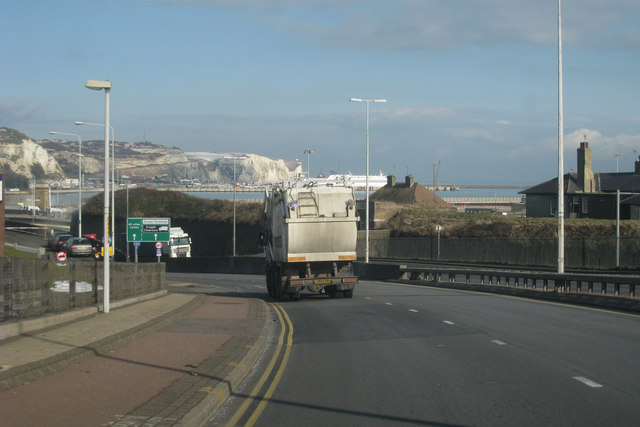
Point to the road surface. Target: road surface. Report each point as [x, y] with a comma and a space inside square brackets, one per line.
[408, 355]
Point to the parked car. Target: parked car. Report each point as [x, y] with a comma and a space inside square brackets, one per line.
[56, 241]
[97, 247]
[77, 246]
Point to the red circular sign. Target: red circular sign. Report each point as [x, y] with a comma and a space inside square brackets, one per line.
[158, 245]
[61, 256]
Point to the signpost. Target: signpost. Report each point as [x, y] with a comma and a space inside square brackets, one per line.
[158, 250]
[61, 256]
[148, 230]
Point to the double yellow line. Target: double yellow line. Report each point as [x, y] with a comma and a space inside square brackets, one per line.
[283, 349]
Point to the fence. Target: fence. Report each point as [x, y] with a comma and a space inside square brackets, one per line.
[33, 287]
[589, 253]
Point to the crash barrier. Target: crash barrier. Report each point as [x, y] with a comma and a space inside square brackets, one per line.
[28, 249]
[34, 287]
[613, 291]
[377, 271]
[222, 264]
[256, 265]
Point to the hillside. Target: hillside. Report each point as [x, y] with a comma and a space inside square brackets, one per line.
[56, 159]
[412, 222]
[209, 222]
[179, 206]
[20, 156]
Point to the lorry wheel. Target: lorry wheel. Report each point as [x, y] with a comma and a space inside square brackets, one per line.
[269, 280]
[295, 296]
[348, 294]
[277, 283]
[270, 286]
[332, 291]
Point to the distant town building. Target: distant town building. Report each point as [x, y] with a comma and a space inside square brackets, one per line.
[587, 194]
[382, 203]
[409, 192]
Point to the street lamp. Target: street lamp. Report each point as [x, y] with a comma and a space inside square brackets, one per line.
[106, 85]
[560, 148]
[79, 177]
[367, 101]
[113, 166]
[307, 152]
[234, 199]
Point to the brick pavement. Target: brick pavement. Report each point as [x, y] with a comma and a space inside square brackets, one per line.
[170, 360]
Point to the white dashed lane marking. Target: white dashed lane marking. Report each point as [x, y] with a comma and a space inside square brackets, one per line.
[388, 303]
[498, 342]
[588, 382]
[412, 310]
[448, 322]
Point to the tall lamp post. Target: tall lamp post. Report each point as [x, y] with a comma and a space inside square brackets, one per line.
[113, 173]
[106, 85]
[560, 149]
[308, 151]
[234, 200]
[366, 244]
[79, 177]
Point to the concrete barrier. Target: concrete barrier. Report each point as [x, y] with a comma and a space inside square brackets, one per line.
[377, 271]
[225, 265]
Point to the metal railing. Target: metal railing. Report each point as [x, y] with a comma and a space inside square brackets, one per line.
[28, 249]
[589, 284]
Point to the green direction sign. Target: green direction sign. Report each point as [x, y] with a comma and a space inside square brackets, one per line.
[148, 229]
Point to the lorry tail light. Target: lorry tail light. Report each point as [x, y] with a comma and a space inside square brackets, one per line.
[350, 280]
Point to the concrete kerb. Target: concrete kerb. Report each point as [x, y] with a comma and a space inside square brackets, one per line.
[31, 371]
[207, 407]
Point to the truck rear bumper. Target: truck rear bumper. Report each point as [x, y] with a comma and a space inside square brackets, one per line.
[343, 282]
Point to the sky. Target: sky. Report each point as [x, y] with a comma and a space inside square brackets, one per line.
[472, 84]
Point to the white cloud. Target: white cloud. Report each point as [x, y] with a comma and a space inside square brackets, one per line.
[573, 139]
[16, 110]
[423, 24]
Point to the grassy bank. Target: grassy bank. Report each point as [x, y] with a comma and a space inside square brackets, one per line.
[15, 253]
[422, 223]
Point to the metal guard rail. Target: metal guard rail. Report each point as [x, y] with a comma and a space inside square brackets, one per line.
[590, 284]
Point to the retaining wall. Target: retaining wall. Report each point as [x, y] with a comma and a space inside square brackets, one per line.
[33, 287]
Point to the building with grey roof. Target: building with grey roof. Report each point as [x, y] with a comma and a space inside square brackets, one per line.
[587, 194]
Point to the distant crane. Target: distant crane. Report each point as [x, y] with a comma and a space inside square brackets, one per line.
[436, 172]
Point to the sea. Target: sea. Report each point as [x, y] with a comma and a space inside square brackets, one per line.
[63, 200]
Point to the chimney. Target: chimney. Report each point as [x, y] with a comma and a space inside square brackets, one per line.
[408, 180]
[636, 170]
[585, 174]
[391, 180]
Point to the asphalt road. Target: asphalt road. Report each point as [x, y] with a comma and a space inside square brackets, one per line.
[25, 239]
[405, 355]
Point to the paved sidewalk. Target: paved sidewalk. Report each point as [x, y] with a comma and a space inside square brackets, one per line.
[166, 361]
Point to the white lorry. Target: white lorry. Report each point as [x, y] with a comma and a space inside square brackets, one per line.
[179, 245]
[310, 239]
